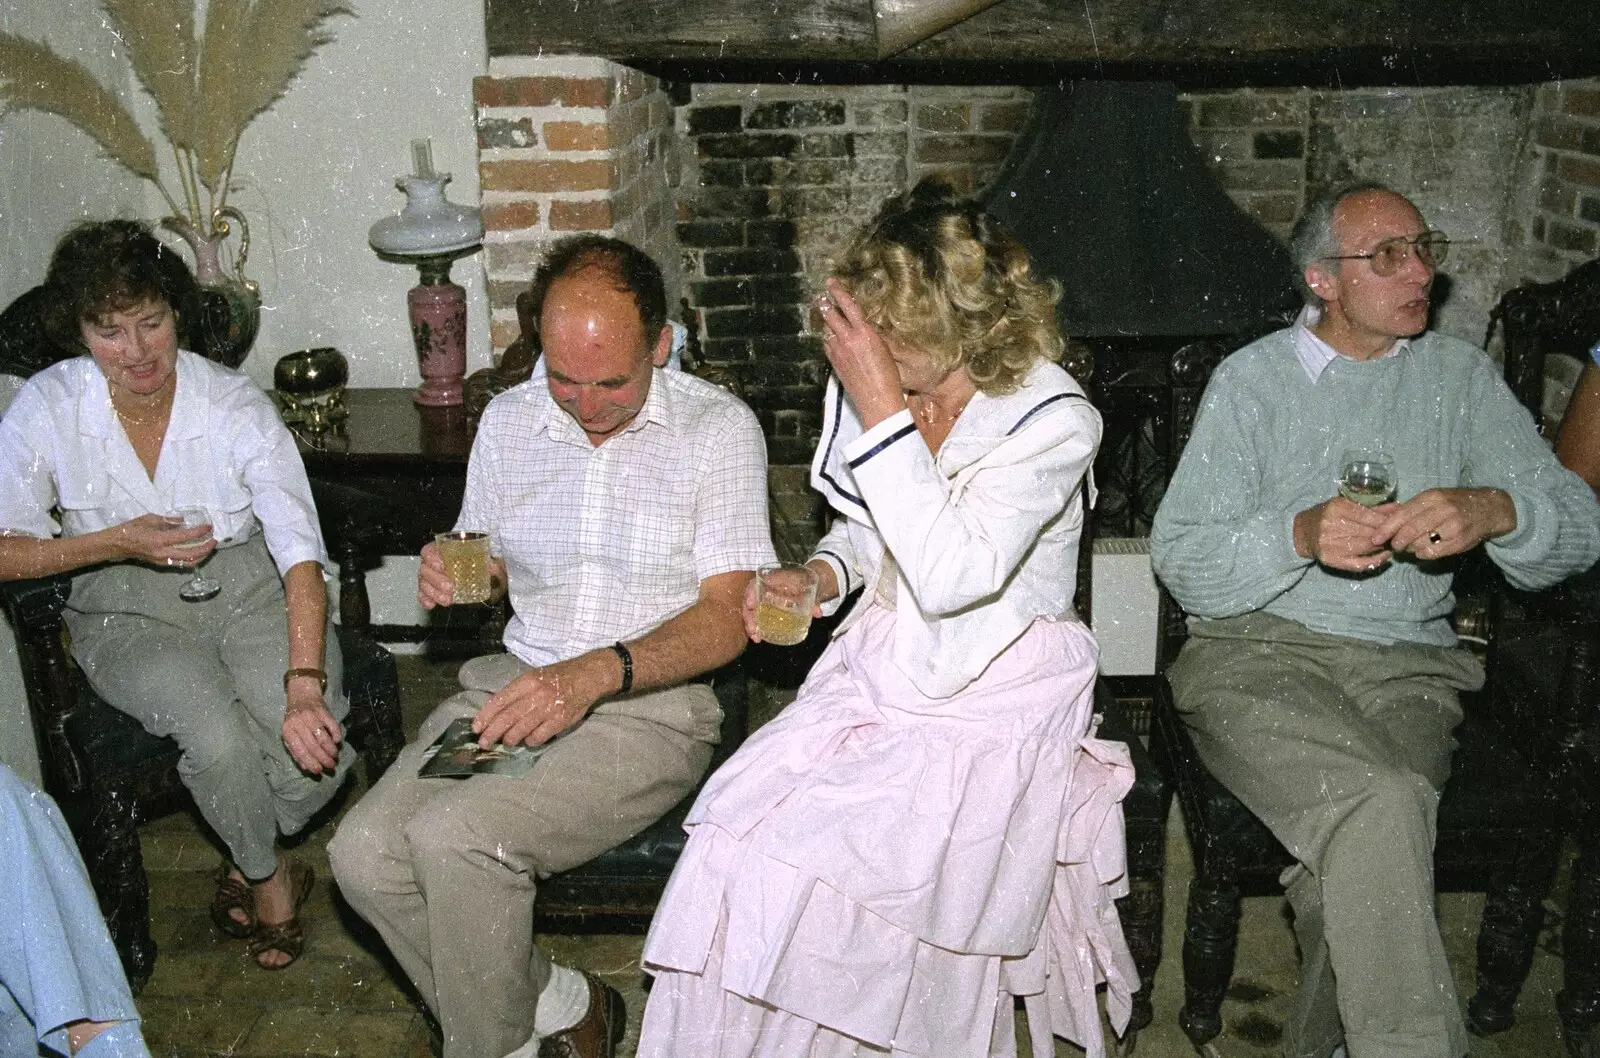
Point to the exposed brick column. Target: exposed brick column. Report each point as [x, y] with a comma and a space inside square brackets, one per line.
[566, 144]
[1564, 228]
[1255, 143]
[776, 177]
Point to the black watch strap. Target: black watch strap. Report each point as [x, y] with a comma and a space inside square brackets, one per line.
[626, 658]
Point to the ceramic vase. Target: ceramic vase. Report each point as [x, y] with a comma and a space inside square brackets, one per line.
[230, 303]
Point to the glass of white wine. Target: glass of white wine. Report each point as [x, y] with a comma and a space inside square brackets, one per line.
[785, 595]
[1366, 476]
[465, 554]
[199, 587]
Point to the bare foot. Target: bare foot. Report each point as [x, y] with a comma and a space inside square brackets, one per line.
[79, 1033]
[274, 905]
[237, 914]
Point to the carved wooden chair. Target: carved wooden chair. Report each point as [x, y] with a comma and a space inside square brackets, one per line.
[1499, 828]
[1144, 814]
[1550, 648]
[109, 775]
[1148, 802]
[618, 891]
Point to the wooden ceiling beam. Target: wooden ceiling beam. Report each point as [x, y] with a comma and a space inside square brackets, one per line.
[898, 24]
[1222, 42]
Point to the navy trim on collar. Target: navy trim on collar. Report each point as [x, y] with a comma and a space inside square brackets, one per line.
[1041, 406]
[828, 447]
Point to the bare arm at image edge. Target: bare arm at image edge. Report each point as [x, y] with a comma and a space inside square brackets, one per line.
[1578, 444]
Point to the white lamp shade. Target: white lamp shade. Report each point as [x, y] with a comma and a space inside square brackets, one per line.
[429, 225]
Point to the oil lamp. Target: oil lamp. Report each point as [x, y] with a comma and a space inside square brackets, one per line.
[430, 233]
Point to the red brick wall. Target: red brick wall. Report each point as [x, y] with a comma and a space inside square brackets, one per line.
[1564, 229]
[569, 144]
[741, 191]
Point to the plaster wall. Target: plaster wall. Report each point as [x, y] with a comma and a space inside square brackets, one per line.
[312, 174]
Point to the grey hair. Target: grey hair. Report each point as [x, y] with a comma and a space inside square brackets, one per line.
[1313, 240]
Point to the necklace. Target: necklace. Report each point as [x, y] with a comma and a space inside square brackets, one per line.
[128, 418]
[930, 412]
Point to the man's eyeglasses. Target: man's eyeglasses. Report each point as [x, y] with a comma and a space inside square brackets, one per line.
[1431, 248]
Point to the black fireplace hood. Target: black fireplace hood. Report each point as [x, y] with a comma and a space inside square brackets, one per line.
[1113, 199]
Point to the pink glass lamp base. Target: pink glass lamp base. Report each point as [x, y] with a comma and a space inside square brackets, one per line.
[439, 329]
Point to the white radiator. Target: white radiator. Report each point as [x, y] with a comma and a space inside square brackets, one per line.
[1125, 606]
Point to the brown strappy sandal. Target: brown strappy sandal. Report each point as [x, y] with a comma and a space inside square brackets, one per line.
[233, 894]
[288, 937]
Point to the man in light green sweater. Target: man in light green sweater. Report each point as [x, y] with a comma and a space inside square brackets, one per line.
[1320, 679]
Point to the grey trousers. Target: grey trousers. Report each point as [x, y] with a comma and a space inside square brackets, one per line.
[210, 675]
[1341, 747]
[447, 869]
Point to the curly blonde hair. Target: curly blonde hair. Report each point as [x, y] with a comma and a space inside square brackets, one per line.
[942, 276]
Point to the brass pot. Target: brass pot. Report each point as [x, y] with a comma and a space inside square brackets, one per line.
[310, 387]
[310, 372]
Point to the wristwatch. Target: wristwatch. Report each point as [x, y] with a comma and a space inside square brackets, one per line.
[317, 674]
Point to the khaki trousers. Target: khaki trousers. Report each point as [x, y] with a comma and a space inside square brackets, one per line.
[447, 869]
[1341, 747]
[210, 675]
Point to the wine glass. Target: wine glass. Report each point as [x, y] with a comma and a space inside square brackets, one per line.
[199, 587]
[1366, 476]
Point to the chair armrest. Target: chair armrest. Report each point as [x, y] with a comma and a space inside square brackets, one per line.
[34, 607]
[30, 602]
[732, 688]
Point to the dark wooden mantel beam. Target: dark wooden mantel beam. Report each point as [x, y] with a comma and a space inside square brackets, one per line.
[1222, 42]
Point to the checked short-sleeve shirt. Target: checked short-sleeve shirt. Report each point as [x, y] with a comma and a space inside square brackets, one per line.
[606, 543]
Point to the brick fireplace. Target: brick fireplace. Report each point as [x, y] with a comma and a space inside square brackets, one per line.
[741, 190]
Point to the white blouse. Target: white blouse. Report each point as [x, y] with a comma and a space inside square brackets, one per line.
[63, 452]
[981, 539]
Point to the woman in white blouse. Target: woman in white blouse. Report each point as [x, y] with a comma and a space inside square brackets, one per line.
[98, 452]
[930, 829]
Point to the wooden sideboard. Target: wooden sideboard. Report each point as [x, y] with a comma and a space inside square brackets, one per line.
[387, 478]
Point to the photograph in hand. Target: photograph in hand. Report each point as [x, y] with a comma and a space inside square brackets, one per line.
[456, 754]
[1367, 477]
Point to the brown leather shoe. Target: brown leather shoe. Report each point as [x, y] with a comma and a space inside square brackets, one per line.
[596, 1035]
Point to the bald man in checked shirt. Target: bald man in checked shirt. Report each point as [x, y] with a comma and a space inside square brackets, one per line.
[626, 508]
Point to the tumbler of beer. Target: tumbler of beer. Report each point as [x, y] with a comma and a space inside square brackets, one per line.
[785, 595]
[465, 554]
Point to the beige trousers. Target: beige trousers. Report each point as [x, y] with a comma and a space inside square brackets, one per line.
[1341, 747]
[447, 869]
[210, 675]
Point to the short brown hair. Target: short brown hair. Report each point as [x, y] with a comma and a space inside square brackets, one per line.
[105, 266]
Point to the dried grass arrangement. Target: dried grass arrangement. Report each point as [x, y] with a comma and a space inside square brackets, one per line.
[206, 89]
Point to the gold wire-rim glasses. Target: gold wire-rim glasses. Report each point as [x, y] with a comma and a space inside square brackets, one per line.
[1431, 248]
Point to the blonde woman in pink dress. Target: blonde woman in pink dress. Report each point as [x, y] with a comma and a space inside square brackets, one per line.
[931, 829]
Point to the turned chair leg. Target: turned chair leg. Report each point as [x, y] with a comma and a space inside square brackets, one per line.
[1140, 912]
[387, 738]
[1210, 937]
[1579, 1000]
[1513, 914]
[109, 842]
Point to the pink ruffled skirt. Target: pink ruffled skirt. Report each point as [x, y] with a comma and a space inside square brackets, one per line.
[876, 872]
